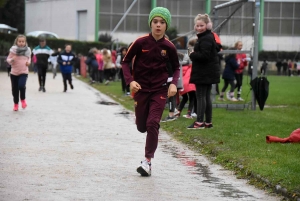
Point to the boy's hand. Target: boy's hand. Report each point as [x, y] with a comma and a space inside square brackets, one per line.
[172, 90]
[27, 63]
[134, 86]
[64, 63]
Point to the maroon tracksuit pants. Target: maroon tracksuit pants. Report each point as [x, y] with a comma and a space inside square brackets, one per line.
[149, 107]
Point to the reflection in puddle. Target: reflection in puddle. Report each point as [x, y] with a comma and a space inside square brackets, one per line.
[203, 171]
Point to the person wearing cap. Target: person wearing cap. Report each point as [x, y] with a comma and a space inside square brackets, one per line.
[42, 53]
[152, 52]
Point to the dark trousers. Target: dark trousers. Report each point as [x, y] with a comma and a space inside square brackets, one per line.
[109, 73]
[8, 70]
[239, 81]
[67, 77]
[226, 83]
[125, 88]
[93, 72]
[185, 97]
[149, 107]
[204, 103]
[42, 70]
[18, 86]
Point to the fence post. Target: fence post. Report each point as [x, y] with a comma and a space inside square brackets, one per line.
[82, 67]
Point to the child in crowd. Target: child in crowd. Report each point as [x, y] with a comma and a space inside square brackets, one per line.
[42, 53]
[152, 52]
[120, 57]
[19, 58]
[231, 65]
[66, 60]
[205, 70]
[93, 64]
[188, 92]
[242, 60]
[108, 66]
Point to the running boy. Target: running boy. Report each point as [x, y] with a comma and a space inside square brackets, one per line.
[65, 60]
[19, 58]
[152, 52]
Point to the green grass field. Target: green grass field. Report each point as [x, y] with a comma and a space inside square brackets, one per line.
[237, 140]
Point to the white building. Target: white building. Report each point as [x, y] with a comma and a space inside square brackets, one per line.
[79, 20]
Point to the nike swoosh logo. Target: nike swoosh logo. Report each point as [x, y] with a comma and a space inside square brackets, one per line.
[163, 98]
[145, 50]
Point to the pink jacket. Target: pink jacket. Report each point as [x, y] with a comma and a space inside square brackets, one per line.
[18, 63]
[186, 74]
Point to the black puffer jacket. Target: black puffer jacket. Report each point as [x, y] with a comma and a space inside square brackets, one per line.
[205, 67]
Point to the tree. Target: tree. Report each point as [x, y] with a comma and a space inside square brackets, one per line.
[105, 38]
[172, 33]
[12, 13]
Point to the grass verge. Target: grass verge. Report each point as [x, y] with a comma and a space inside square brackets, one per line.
[237, 140]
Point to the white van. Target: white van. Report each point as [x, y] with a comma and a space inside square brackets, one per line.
[44, 34]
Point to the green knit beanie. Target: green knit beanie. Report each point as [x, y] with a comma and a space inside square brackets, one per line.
[160, 12]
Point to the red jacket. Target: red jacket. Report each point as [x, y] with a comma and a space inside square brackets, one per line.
[293, 138]
[186, 74]
[241, 59]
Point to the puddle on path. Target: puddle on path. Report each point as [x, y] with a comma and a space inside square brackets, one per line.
[195, 167]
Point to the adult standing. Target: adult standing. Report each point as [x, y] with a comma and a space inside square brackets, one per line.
[242, 61]
[42, 52]
[284, 67]
[205, 70]
[279, 65]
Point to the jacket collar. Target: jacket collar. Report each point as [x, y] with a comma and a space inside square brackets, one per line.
[204, 33]
[162, 39]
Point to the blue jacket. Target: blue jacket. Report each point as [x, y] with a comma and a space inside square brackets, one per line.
[69, 58]
[230, 67]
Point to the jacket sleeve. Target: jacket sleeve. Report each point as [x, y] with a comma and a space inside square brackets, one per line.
[203, 51]
[10, 57]
[118, 61]
[175, 65]
[131, 53]
[234, 64]
[59, 60]
[73, 60]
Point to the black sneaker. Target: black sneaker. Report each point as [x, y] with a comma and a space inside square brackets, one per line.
[44, 90]
[41, 88]
[168, 118]
[196, 125]
[208, 125]
[71, 85]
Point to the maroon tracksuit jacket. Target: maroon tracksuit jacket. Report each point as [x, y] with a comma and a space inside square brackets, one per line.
[150, 71]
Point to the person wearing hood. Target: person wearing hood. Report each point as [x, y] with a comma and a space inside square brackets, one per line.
[19, 58]
[66, 60]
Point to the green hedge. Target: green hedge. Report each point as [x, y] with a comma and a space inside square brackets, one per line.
[276, 55]
[6, 41]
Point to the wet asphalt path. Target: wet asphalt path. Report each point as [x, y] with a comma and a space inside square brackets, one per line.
[64, 146]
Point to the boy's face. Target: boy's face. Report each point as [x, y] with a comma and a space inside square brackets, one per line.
[200, 26]
[124, 51]
[158, 27]
[68, 48]
[21, 42]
